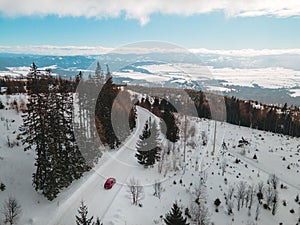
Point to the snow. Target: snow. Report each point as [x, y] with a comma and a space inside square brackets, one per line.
[22, 71]
[264, 77]
[142, 76]
[114, 206]
[295, 92]
[268, 78]
[219, 89]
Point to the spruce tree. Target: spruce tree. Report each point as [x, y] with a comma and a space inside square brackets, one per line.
[174, 217]
[148, 150]
[82, 218]
[98, 72]
[103, 111]
[98, 222]
[48, 128]
[142, 145]
[172, 130]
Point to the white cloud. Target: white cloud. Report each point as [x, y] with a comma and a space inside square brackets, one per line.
[246, 52]
[142, 10]
[55, 50]
[140, 49]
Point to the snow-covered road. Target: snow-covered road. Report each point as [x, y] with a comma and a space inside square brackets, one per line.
[118, 165]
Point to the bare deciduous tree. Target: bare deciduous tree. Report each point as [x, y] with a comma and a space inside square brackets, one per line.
[136, 191]
[203, 177]
[269, 193]
[199, 192]
[199, 214]
[157, 189]
[11, 211]
[250, 193]
[204, 138]
[229, 207]
[257, 211]
[260, 187]
[229, 194]
[240, 194]
[192, 131]
[163, 155]
[273, 180]
[175, 160]
[223, 166]
[275, 203]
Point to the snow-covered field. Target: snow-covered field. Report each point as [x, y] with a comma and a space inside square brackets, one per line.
[264, 77]
[275, 154]
[295, 92]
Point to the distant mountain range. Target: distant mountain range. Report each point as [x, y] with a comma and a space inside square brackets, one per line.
[202, 72]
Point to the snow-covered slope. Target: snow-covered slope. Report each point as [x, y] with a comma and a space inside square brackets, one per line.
[274, 154]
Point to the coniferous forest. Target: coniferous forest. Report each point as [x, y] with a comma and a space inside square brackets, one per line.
[281, 119]
[69, 144]
[62, 155]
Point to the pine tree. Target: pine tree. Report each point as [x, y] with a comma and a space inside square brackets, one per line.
[103, 111]
[35, 124]
[148, 150]
[82, 218]
[98, 222]
[98, 72]
[174, 217]
[86, 132]
[172, 130]
[142, 145]
[48, 127]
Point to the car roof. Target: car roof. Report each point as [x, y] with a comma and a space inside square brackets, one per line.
[110, 179]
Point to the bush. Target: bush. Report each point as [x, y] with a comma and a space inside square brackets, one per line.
[292, 211]
[1, 105]
[217, 202]
[297, 198]
[266, 206]
[187, 213]
[284, 203]
[2, 187]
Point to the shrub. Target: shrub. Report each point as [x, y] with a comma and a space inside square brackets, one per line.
[217, 202]
[292, 211]
[2, 187]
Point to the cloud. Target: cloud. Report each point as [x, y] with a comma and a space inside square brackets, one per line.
[55, 50]
[140, 49]
[246, 52]
[137, 48]
[142, 10]
[134, 48]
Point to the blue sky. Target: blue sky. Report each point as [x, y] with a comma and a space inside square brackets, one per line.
[217, 26]
[213, 31]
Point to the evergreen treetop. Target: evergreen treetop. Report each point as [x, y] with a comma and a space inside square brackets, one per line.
[83, 219]
[174, 217]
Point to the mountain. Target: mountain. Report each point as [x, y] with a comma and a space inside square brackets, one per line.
[230, 75]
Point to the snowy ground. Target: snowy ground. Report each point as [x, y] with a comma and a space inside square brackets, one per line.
[114, 206]
[295, 92]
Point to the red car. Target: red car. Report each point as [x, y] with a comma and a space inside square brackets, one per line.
[109, 183]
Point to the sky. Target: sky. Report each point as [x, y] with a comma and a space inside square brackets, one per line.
[193, 24]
